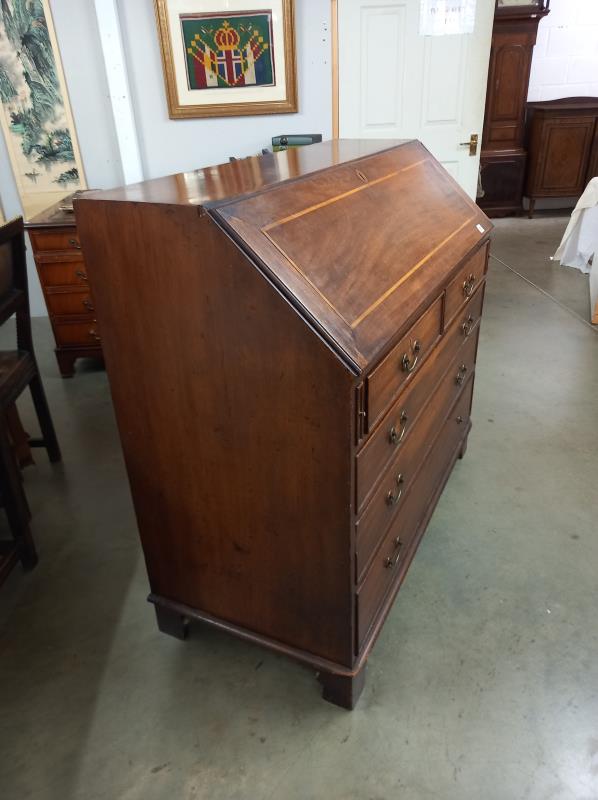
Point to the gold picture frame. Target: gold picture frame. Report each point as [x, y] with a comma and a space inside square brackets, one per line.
[188, 101]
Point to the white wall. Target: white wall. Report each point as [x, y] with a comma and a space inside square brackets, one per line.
[167, 145]
[177, 145]
[78, 40]
[565, 62]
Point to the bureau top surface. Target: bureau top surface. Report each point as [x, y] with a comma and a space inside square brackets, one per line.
[54, 217]
[358, 234]
[211, 185]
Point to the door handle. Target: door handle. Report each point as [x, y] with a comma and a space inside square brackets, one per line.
[472, 144]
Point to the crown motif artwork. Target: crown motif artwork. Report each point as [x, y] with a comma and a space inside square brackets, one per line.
[229, 52]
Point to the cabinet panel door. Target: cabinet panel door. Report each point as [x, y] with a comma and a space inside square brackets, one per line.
[564, 155]
[507, 88]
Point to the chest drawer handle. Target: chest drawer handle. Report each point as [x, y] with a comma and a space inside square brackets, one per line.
[461, 375]
[467, 325]
[88, 304]
[80, 274]
[407, 364]
[393, 560]
[74, 243]
[468, 286]
[94, 335]
[392, 498]
[396, 437]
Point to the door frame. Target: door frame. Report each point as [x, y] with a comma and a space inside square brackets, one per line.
[335, 72]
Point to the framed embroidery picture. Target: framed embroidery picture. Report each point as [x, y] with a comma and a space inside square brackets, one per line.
[228, 57]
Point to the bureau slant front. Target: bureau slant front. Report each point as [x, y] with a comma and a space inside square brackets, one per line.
[291, 343]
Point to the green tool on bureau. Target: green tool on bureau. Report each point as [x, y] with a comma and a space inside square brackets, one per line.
[298, 140]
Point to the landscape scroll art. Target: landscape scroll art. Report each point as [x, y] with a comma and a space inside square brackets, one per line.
[35, 115]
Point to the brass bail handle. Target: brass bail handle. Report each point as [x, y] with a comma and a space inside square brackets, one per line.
[396, 437]
[467, 325]
[392, 561]
[393, 498]
[469, 285]
[407, 364]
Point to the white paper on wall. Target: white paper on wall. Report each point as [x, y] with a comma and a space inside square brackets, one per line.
[444, 17]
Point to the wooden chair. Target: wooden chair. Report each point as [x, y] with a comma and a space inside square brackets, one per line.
[18, 369]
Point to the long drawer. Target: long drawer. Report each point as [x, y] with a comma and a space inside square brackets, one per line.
[53, 239]
[77, 334]
[402, 363]
[388, 497]
[70, 302]
[63, 272]
[393, 557]
[395, 429]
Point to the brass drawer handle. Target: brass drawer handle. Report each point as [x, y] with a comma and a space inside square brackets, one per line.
[80, 274]
[468, 325]
[396, 437]
[88, 304]
[393, 498]
[461, 375]
[392, 561]
[468, 286]
[407, 364]
[74, 243]
[94, 335]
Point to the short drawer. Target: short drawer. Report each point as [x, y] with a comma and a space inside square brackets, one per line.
[63, 273]
[462, 288]
[57, 239]
[392, 559]
[69, 303]
[396, 427]
[81, 334]
[387, 498]
[403, 361]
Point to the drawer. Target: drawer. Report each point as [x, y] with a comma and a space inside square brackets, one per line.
[392, 559]
[61, 304]
[386, 501]
[72, 334]
[462, 288]
[396, 427]
[403, 362]
[55, 239]
[63, 273]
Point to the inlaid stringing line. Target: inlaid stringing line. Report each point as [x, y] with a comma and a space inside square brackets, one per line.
[304, 276]
[407, 275]
[338, 197]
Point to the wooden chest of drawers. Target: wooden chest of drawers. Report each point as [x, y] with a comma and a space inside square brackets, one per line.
[291, 345]
[63, 277]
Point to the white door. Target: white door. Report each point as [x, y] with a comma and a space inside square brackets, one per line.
[396, 84]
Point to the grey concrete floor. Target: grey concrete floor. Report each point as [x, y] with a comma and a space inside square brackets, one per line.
[483, 684]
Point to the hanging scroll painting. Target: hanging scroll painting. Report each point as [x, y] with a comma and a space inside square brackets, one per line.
[35, 115]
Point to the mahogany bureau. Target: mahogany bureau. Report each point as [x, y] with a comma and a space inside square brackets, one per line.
[63, 277]
[291, 344]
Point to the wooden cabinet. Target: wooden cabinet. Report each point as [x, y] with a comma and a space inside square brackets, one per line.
[63, 276]
[291, 345]
[563, 147]
[503, 157]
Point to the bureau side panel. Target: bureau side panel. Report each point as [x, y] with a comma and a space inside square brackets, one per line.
[235, 421]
